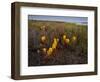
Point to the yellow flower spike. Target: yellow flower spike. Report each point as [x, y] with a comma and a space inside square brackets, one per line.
[55, 40]
[55, 43]
[54, 46]
[43, 38]
[50, 50]
[64, 37]
[74, 38]
[44, 50]
[67, 40]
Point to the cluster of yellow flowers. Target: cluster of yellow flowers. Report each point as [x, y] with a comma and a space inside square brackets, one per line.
[53, 47]
[65, 40]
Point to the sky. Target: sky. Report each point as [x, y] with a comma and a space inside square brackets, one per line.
[78, 20]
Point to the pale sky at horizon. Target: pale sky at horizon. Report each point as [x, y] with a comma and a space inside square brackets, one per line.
[81, 20]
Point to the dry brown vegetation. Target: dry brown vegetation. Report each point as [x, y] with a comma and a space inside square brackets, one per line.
[56, 43]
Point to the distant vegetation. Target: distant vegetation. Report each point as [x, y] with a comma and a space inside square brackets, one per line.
[56, 43]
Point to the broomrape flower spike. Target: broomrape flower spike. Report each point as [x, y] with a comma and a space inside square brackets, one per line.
[67, 40]
[43, 38]
[44, 50]
[64, 37]
[54, 45]
[50, 50]
[55, 42]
